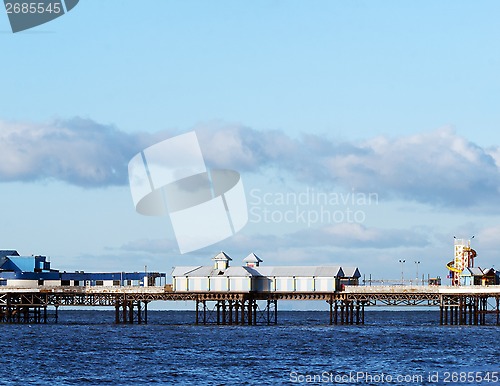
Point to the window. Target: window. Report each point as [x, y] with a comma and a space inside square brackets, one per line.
[40, 282]
[76, 283]
[116, 282]
[65, 282]
[99, 282]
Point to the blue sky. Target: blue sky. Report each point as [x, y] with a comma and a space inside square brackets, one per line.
[397, 99]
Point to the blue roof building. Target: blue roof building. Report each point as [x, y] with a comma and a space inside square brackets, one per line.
[32, 271]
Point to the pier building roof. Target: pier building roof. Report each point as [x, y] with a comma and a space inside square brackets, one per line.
[205, 271]
[222, 256]
[8, 252]
[252, 260]
[351, 272]
[472, 271]
[267, 271]
[183, 270]
[305, 271]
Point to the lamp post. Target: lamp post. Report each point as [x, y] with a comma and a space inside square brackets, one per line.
[416, 264]
[402, 274]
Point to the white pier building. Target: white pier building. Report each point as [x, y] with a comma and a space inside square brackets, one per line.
[252, 277]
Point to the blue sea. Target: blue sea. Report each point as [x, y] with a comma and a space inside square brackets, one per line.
[396, 348]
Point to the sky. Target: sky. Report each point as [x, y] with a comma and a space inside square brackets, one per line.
[365, 132]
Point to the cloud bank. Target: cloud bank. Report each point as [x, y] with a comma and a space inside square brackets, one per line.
[437, 167]
[77, 151]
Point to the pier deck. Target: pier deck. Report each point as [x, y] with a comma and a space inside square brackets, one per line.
[457, 305]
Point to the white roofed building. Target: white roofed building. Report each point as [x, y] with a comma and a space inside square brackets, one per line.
[252, 277]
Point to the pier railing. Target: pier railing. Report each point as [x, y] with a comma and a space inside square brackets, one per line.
[428, 289]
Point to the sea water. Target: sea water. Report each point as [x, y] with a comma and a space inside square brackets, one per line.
[397, 348]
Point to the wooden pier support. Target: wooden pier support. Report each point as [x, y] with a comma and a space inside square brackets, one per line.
[347, 311]
[498, 310]
[467, 309]
[24, 308]
[130, 311]
[236, 312]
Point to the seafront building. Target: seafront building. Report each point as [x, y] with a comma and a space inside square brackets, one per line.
[34, 271]
[253, 277]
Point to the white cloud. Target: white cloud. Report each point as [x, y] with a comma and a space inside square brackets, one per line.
[437, 167]
[352, 235]
[489, 238]
[245, 149]
[77, 151]
[151, 246]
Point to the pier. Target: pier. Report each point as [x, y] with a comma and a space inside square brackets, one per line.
[468, 305]
[472, 305]
[243, 295]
